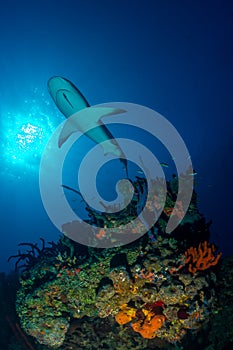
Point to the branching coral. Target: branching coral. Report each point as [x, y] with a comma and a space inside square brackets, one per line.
[34, 254]
[202, 257]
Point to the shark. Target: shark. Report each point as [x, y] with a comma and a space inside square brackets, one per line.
[69, 100]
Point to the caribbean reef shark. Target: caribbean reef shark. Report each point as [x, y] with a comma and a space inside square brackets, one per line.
[69, 101]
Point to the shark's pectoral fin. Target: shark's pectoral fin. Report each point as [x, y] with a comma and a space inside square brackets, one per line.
[66, 132]
[97, 113]
[86, 120]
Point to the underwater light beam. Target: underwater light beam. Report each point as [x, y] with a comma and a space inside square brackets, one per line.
[25, 136]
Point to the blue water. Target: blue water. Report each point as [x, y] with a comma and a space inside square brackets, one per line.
[172, 56]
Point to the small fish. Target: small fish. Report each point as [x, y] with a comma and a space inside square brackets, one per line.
[165, 165]
[193, 173]
[140, 172]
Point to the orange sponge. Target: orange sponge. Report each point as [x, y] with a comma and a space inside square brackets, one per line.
[125, 315]
[149, 327]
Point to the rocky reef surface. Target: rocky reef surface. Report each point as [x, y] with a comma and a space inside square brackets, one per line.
[147, 294]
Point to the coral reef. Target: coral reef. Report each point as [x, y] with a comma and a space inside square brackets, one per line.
[144, 294]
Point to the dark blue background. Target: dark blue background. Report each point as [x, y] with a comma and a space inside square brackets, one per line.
[173, 56]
